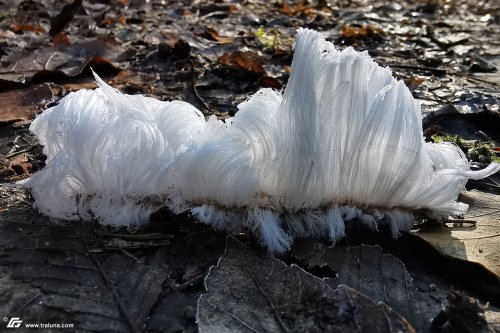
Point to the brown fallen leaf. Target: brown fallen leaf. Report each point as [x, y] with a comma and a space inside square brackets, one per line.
[212, 34]
[77, 86]
[132, 81]
[479, 242]
[298, 9]
[48, 63]
[23, 104]
[21, 166]
[364, 35]
[269, 82]
[61, 39]
[414, 82]
[245, 60]
[17, 28]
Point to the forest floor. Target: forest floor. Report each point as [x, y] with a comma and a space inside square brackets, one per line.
[437, 278]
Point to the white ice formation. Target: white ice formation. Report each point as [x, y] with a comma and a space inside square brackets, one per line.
[344, 141]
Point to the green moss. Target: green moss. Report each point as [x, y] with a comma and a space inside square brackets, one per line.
[481, 152]
[476, 151]
[273, 42]
[464, 145]
[119, 27]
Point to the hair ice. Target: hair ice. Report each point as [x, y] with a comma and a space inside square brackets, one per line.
[344, 141]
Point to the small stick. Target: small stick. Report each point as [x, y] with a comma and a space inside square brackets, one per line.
[436, 71]
[137, 237]
[195, 91]
[191, 282]
[19, 152]
[459, 221]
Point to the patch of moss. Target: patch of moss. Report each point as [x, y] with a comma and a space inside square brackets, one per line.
[464, 145]
[476, 151]
[273, 42]
[481, 152]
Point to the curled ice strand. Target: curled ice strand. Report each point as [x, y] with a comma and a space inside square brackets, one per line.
[343, 142]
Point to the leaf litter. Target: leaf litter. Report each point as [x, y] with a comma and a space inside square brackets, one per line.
[78, 276]
[249, 292]
[473, 238]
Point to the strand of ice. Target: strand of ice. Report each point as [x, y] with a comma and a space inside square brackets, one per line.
[343, 142]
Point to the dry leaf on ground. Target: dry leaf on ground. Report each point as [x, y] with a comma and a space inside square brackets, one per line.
[23, 104]
[478, 242]
[380, 276]
[248, 292]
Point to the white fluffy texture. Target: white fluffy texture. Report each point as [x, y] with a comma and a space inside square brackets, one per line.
[344, 142]
[109, 155]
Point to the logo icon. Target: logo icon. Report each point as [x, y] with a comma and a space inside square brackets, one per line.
[14, 322]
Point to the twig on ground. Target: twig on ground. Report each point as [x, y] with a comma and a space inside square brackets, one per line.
[191, 282]
[435, 71]
[20, 152]
[476, 79]
[444, 45]
[130, 255]
[195, 91]
[29, 302]
[453, 221]
[137, 237]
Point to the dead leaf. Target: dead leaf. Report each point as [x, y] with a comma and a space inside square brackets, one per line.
[478, 242]
[66, 274]
[61, 39]
[19, 28]
[109, 291]
[246, 61]
[414, 81]
[212, 34]
[23, 104]
[129, 82]
[269, 82]
[77, 86]
[378, 275]
[69, 60]
[298, 9]
[59, 22]
[252, 292]
[219, 8]
[21, 166]
[461, 314]
[362, 35]
[112, 19]
[174, 50]
[351, 31]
